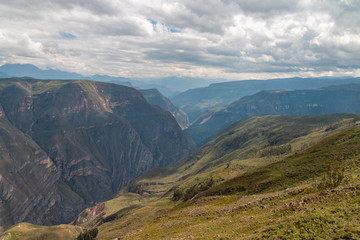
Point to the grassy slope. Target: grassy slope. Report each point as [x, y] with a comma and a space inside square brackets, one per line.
[219, 159]
[257, 184]
[291, 198]
[26, 231]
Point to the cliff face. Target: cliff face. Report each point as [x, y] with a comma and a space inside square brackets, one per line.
[66, 145]
[31, 188]
[153, 96]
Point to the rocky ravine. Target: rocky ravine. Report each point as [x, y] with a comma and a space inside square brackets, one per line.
[66, 145]
[153, 96]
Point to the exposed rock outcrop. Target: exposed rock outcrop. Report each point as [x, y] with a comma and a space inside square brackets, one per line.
[66, 145]
[153, 96]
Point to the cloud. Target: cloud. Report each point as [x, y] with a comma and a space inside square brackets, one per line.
[266, 6]
[206, 38]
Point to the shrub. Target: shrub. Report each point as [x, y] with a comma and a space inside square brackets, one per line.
[190, 192]
[275, 150]
[178, 194]
[333, 177]
[197, 188]
[89, 234]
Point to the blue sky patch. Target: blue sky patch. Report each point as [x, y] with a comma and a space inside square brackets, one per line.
[67, 35]
[173, 30]
[153, 22]
[170, 29]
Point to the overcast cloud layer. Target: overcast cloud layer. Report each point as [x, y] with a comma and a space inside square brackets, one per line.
[238, 39]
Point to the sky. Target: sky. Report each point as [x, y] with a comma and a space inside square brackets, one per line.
[229, 39]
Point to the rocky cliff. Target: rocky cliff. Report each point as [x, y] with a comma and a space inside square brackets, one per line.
[66, 145]
[153, 96]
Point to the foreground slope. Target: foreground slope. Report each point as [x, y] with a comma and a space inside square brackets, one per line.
[208, 194]
[312, 194]
[68, 144]
[334, 99]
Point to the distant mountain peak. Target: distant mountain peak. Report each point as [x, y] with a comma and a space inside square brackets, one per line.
[30, 70]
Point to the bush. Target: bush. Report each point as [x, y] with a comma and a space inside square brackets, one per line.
[89, 234]
[333, 177]
[178, 194]
[208, 183]
[197, 188]
[191, 192]
[275, 150]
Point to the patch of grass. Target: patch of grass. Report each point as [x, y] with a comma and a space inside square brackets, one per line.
[326, 157]
[26, 231]
[275, 150]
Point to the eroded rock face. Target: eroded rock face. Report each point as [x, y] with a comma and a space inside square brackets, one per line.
[31, 188]
[153, 96]
[66, 145]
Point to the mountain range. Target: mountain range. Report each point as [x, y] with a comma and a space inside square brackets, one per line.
[69, 144]
[195, 102]
[169, 86]
[333, 99]
[29, 70]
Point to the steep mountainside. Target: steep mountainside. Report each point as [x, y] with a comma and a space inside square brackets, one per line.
[70, 144]
[196, 101]
[335, 99]
[30, 185]
[240, 185]
[154, 97]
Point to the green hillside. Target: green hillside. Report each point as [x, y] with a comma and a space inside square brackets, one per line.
[28, 231]
[292, 185]
[308, 195]
[253, 175]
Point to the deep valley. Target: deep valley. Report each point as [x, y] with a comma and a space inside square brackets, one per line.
[99, 157]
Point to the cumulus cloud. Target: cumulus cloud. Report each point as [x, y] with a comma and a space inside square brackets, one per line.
[234, 39]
